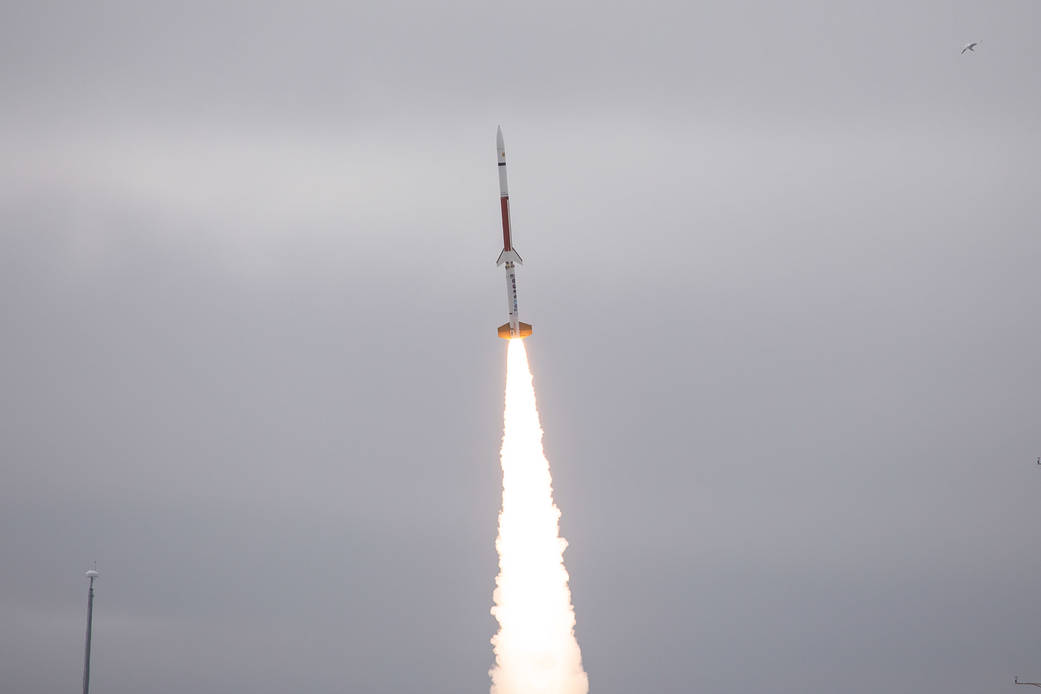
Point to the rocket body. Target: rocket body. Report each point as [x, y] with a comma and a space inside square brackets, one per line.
[509, 256]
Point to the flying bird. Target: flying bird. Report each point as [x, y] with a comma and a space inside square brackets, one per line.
[971, 47]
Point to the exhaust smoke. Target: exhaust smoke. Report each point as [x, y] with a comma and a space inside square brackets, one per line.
[535, 649]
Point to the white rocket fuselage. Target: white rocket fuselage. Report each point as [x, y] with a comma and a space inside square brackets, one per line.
[509, 256]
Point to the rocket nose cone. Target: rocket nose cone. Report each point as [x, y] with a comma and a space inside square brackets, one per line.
[498, 138]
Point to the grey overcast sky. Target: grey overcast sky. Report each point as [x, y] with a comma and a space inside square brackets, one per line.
[782, 263]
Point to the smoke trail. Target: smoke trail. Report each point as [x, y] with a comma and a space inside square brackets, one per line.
[535, 649]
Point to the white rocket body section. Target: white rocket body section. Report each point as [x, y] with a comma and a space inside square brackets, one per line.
[509, 256]
[511, 299]
[504, 187]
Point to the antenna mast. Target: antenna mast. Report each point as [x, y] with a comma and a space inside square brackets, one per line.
[92, 574]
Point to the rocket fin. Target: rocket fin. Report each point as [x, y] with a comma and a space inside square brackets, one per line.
[511, 255]
[524, 331]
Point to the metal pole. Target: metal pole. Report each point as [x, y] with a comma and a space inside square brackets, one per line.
[92, 574]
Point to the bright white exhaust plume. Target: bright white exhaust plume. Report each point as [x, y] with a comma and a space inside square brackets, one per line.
[535, 649]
